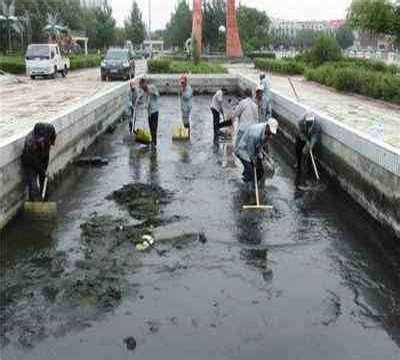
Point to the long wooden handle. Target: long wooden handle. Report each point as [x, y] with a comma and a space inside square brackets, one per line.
[44, 191]
[314, 165]
[256, 185]
[294, 89]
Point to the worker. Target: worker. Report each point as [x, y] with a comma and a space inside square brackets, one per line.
[308, 137]
[266, 85]
[35, 158]
[251, 148]
[186, 101]
[153, 106]
[217, 109]
[246, 113]
[261, 104]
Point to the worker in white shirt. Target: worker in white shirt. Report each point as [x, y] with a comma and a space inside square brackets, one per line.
[217, 109]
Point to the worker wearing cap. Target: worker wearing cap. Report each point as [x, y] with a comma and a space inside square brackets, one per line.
[250, 147]
[153, 106]
[35, 157]
[266, 85]
[217, 109]
[308, 137]
[245, 113]
[262, 104]
[186, 101]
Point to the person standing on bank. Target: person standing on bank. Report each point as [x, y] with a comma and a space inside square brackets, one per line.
[186, 99]
[153, 106]
[308, 137]
[266, 85]
[261, 104]
[251, 148]
[217, 109]
[35, 158]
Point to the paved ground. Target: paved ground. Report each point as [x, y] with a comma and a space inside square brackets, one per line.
[356, 111]
[27, 101]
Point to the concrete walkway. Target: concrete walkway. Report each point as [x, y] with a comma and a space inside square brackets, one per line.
[25, 102]
[356, 111]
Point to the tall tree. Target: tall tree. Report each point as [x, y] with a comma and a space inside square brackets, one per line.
[179, 28]
[214, 14]
[345, 36]
[105, 26]
[253, 27]
[134, 25]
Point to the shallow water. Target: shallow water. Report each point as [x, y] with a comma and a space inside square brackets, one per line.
[314, 278]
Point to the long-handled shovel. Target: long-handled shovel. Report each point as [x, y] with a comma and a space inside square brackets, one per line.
[41, 207]
[314, 164]
[257, 206]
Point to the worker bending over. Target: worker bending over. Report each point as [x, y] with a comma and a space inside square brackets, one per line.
[217, 109]
[246, 113]
[35, 158]
[266, 86]
[308, 137]
[252, 146]
[186, 101]
[153, 106]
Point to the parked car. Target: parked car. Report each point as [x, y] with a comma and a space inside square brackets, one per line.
[45, 60]
[118, 64]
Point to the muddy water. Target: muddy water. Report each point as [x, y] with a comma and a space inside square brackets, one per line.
[308, 280]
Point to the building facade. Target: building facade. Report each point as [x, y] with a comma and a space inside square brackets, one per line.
[290, 29]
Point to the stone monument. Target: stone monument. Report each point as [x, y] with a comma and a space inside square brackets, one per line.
[233, 46]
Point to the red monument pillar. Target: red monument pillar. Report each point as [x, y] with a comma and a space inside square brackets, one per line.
[197, 27]
[233, 46]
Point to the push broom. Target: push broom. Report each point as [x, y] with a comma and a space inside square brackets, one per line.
[257, 206]
[41, 207]
[179, 132]
[141, 136]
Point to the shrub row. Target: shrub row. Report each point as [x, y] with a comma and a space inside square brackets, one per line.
[378, 85]
[290, 67]
[261, 55]
[12, 64]
[83, 61]
[163, 66]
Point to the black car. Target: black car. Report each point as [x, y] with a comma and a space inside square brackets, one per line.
[118, 64]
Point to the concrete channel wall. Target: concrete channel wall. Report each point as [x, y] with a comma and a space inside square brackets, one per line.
[366, 169]
[77, 128]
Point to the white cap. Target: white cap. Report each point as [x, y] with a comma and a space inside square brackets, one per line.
[273, 125]
[309, 117]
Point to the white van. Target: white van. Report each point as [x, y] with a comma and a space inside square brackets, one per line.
[45, 60]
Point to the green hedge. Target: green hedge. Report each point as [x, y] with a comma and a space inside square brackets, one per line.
[378, 85]
[12, 64]
[290, 67]
[83, 61]
[261, 55]
[165, 66]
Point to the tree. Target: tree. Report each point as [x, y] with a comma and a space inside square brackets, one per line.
[253, 28]
[325, 49]
[105, 26]
[134, 25]
[214, 14]
[306, 38]
[373, 16]
[179, 29]
[9, 21]
[345, 37]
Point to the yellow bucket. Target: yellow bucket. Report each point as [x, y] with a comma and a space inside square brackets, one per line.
[180, 133]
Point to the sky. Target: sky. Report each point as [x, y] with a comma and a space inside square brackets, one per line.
[284, 9]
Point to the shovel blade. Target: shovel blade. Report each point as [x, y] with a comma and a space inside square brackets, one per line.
[40, 207]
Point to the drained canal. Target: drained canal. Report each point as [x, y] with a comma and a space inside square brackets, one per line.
[313, 279]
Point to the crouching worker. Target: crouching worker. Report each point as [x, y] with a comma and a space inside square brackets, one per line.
[308, 137]
[250, 148]
[35, 158]
[186, 101]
